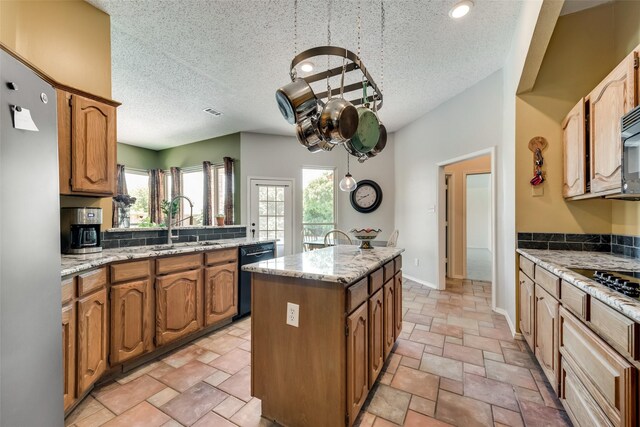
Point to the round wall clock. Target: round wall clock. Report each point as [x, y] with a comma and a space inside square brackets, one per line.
[367, 196]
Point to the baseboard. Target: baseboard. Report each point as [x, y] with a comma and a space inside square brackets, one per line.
[511, 325]
[422, 282]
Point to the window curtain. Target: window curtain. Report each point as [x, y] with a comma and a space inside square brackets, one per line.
[228, 190]
[121, 190]
[156, 195]
[207, 208]
[176, 190]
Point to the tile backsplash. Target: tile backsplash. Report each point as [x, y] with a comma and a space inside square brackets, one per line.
[123, 238]
[611, 243]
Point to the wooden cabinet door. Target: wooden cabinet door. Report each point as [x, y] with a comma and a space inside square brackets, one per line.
[376, 335]
[609, 101]
[178, 305]
[573, 128]
[93, 146]
[220, 293]
[131, 320]
[397, 306]
[357, 361]
[527, 309]
[92, 338]
[389, 324]
[69, 354]
[546, 334]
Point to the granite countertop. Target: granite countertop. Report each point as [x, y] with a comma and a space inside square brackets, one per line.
[72, 264]
[559, 262]
[340, 264]
[182, 227]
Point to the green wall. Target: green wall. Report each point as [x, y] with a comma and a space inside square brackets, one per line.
[137, 157]
[213, 150]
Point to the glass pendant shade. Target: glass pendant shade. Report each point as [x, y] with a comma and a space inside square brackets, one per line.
[348, 183]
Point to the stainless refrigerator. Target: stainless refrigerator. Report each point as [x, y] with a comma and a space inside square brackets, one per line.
[30, 294]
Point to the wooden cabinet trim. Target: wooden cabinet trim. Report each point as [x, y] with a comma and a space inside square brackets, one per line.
[547, 280]
[389, 270]
[376, 280]
[526, 266]
[398, 263]
[618, 330]
[178, 263]
[68, 289]
[574, 299]
[357, 294]
[91, 281]
[397, 306]
[221, 256]
[130, 271]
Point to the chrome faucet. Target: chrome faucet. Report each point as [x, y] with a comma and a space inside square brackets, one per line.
[169, 219]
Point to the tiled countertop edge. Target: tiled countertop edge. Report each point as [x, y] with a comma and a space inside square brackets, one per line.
[87, 262]
[627, 306]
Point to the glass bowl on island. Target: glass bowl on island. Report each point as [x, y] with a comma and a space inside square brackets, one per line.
[365, 235]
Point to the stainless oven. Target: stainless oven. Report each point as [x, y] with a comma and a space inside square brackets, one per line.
[631, 152]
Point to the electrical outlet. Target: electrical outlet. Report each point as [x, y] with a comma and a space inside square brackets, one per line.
[416, 262]
[293, 314]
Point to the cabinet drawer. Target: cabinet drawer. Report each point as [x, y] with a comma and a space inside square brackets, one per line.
[398, 263]
[376, 280]
[526, 266]
[618, 330]
[357, 294]
[389, 271]
[574, 299]
[178, 263]
[68, 291]
[608, 377]
[550, 282]
[130, 271]
[582, 409]
[91, 281]
[221, 256]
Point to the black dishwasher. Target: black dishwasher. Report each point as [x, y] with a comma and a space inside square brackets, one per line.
[249, 255]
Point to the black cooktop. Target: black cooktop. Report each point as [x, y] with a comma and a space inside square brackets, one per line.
[625, 282]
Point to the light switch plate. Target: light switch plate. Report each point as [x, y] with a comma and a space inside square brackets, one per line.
[293, 314]
[537, 190]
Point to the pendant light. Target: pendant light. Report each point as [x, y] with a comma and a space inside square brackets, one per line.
[348, 183]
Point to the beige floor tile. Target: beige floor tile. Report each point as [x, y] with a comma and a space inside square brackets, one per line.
[491, 391]
[463, 354]
[510, 374]
[216, 378]
[232, 361]
[463, 411]
[238, 385]
[96, 419]
[389, 403]
[187, 375]
[482, 343]
[87, 407]
[229, 407]
[409, 348]
[423, 406]
[416, 382]
[441, 366]
[141, 415]
[191, 405]
[249, 416]
[213, 420]
[162, 397]
[428, 338]
[415, 419]
[130, 394]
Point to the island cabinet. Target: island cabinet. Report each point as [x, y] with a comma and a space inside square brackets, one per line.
[587, 349]
[92, 327]
[132, 320]
[178, 297]
[220, 286]
[319, 371]
[86, 144]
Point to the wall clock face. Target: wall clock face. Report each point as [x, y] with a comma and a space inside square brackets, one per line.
[366, 197]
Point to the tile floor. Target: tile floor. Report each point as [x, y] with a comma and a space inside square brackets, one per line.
[455, 363]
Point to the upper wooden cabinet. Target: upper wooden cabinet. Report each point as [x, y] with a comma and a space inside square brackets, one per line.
[573, 128]
[608, 102]
[86, 145]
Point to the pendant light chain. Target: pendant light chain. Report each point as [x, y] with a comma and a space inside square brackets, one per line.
[295, 28]
[382, 25]
[359, 28]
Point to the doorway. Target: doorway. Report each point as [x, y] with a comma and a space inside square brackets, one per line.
[466, 220]
[271, 212]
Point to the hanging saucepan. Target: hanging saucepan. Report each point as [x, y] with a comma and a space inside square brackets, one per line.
[296, 100]
[368, 133]
[308, 133]
[339, 118]
[382, 140]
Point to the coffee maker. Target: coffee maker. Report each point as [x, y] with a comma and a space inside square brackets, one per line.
[80, 230]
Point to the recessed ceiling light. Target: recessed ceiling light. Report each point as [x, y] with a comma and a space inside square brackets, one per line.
[306, 66]
[461, 9]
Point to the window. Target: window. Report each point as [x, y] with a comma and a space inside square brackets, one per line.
[271, 212]
[193, 188]
[318, 202]
[138, 187]
[219, 184]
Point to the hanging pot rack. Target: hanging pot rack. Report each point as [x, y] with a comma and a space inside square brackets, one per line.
[356, 64]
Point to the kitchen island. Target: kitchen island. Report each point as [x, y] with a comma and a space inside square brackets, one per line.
[323, 324]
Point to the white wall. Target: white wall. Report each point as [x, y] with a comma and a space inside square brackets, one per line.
[275, 156]
[481, 117]
[478, 206]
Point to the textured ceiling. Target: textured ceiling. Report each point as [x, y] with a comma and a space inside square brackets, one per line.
[172, 59]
